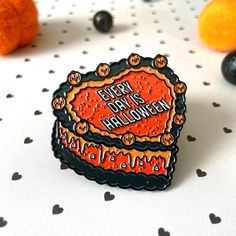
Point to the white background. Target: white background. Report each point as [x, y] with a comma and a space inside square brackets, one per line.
[146, 28]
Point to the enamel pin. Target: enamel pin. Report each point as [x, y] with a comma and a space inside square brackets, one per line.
[119, 124]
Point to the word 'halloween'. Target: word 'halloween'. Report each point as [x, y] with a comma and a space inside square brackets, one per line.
[115, 100]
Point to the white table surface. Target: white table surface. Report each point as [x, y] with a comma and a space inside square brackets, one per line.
[147, 28]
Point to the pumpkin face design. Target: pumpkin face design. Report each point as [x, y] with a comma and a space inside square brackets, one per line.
[74, 78]
[179, 119]
[58, 103]
[180, 87]
[167, 139]
[128, 139]
[134, 59]
[160, 61]
[103, 70]
[82, 127]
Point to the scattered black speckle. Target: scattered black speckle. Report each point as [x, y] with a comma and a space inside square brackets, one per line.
[82, 67]
[162, 42]
[27, 59]
[34, 46]
[71, 13]
[64, 166]
[40, 34]
[44, 90]
[186, 39]
[56, 56]
[19, 76]
[85, 52]
[112, 36]
[44, 24]
[51, 71]
[214, 219]
[227, 130]
[68, 21]
[134, 23]
[214, 104]
[191, 51]
[201, 173]
[2, 222]
[9, 95]
[60, 42]
[57, 209]
[181, 28]
[156, 21]
[0, 119]
[86, 39]
[16, 176]
[108, 196]
[49, 15]
[136, 33]
[28, 140]
[64, 31]
[198, 66]
[89, 28]
[37, 112]
[191, 138]
[112, 49]
[206, 83]
[137, 45]
[163, 232]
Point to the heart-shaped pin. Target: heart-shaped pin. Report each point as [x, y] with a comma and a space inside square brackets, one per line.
[215, 104]
[163, 232]
[16, 176]
[201, 173]
[9, 95]
[191, 138]
[57, 209]
[123, 117]
[227, 131]
[108, 196]
[2, 222]
[64, 166]
[214, 219]
[37, 112]
[28, 140]
[44, 90]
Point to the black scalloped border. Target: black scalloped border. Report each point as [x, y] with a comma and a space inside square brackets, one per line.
[136, 181]
[65, 118]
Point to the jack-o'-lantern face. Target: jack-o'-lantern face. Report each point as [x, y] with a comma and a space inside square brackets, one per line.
[81, 127]
[134, 59]
[74, 78]
[167, 139]
[103, 70]
[160, 61]
[128, 139]
[179, 119]
[58, 103]
[180, 87]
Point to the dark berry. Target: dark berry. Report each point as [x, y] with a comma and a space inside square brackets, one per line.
[103, 21]
[228, 67]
